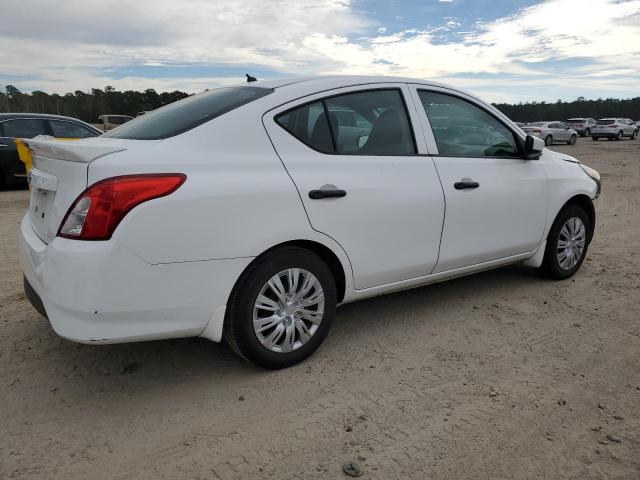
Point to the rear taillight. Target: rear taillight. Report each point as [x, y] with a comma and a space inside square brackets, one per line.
[100, 208]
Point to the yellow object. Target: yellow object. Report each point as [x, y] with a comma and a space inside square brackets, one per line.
[24, 152]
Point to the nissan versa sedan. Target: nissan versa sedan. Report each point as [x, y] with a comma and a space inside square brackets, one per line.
[249, 212]
[552, 132]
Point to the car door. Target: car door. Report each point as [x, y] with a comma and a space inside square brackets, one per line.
[566, 133]
[374, 194]
[495, 200]
[11, 166]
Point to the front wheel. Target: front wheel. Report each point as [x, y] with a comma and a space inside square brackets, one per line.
[567, 243]
[634, 135]
[588, 132]
[572, 140]
[619, 136]
[548, 140]
[281, 309]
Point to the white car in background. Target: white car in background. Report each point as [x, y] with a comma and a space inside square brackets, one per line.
[249, 212]
[614, 129]
[552, 132]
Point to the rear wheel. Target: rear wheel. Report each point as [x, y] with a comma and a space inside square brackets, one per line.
[281, 309]
[566, 243]
[573, 140]
[548, 140]
[588, 132]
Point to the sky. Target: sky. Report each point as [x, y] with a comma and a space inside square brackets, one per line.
[503, 51]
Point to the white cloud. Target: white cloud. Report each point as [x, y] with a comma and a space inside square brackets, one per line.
[72, 45]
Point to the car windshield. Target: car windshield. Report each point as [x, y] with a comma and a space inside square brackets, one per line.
[536, 124]
[183, 115]
[606, 121]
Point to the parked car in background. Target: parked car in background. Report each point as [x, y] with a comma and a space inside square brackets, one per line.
[266, 232]
[614, 129]
[108, 122]
[29, 125]
[552, 132]
[582, 125]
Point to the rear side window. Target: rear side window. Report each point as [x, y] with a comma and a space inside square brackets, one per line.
[373, 122]
[308, 124]
[462, 129]
[188, 113]
[64, 129]
[23, 128]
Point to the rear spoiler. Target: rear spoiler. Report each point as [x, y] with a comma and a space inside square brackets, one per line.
[72, 151]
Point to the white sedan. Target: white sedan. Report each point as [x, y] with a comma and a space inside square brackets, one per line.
[249, 212]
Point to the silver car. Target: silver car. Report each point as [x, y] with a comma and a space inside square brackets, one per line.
[552, 132]
[614, 129]
[582, 125]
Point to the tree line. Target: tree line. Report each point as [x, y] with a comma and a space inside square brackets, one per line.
[541, 111]
[88, 106]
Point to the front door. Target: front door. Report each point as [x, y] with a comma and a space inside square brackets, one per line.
[355, 160]
[495, 200]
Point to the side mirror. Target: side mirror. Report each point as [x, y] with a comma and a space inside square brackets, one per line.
[533, 147]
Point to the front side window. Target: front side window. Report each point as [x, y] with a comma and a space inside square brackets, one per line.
[63, 129]
[23, 128]
[188, 113]
[462, 129]
[373, 122]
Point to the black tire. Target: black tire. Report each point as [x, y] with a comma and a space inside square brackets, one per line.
[238, 325]
[548, 140]
[595, 139]
[619, 136]
[634, 135]
[550, 267]
[587, 132]
[573, 140]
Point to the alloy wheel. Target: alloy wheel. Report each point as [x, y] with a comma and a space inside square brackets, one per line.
[288, 310]
[571, 243]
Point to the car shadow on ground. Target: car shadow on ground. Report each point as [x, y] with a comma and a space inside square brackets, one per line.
[168, 361]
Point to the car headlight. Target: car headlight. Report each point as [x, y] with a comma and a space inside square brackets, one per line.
[594, 175]
[591, 172]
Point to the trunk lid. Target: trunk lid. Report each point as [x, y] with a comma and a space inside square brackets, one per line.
[58, 175]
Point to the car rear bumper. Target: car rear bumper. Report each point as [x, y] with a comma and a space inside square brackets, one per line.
[100, 292]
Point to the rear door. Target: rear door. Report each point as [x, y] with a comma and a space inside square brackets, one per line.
[356, 162]
[495, 200]
[10, 165]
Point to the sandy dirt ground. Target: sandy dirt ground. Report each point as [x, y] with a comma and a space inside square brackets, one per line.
[402, 386]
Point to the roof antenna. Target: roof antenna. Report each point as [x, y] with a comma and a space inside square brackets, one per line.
[251, 78]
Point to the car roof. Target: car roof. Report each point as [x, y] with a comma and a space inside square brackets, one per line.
[322, 82]
[11, 116]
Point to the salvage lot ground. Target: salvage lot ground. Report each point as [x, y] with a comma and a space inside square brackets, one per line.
[401, 386]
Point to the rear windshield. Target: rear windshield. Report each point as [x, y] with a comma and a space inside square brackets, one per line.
[188, 113]
[575, 120]
[607, 121]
